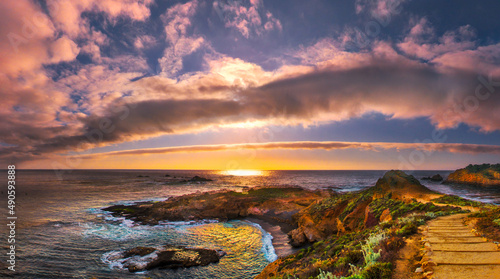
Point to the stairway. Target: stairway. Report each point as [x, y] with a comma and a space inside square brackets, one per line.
[454, 251]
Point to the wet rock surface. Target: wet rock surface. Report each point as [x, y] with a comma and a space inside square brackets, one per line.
[276, 205]
[146, 258]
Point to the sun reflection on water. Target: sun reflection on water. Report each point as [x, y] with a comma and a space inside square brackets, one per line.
[244, 172]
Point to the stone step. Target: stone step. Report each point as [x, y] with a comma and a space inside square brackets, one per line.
[448, 228]
[450, 234]
[445, 224]
[466, 271]
[451, 239]
[472, 258]
[478, 247]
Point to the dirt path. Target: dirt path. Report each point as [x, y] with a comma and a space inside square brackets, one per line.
[454, 251]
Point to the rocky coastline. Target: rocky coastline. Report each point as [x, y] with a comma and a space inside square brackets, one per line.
[308, 217]
[333, 234]
[480, 175]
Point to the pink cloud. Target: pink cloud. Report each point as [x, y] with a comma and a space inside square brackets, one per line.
[330, 84]
[248, 20]
[63, 49]
[177, 21]
[234, 91]
[418, 42]
[482, 60]
[67, 14]
[144, 42]
[26, 33]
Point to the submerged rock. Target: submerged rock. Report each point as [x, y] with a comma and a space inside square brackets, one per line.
[146, 258]
[196, 178]
[199, 179]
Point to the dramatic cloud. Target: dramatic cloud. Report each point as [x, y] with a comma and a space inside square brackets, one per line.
[391, 85]
[329, 145]
[71, 80]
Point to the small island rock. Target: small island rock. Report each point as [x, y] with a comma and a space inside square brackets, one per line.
[146, 258]
[436, 178]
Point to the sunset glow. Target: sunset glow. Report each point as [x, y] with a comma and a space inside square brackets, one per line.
[243, 172]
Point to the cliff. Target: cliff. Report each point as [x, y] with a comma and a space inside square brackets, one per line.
[481, 175]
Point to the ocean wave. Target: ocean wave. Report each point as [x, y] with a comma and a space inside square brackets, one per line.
[115, 260]
[267, 243]
[116, 232]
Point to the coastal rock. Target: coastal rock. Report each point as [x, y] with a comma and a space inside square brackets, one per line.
[146, 258]
[297, 237]
[401, 186]
[480, 175]
[314, 225]
[370, 219]
[138, 251]
[386, 216]
[351, 221]
[276, 205]
[435, 178]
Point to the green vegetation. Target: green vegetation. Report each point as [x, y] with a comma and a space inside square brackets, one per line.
[366, 253]
[455, 200]
[399, 208]
[488, 222]
[482, 168]
[353, 203]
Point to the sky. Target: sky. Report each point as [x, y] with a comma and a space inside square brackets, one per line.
[249, 84]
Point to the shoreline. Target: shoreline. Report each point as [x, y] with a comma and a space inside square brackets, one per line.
[280, 241]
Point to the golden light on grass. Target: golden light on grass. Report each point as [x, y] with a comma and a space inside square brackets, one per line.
[243, 172]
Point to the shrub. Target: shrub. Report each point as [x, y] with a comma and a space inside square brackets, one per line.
[455, 200]
[377, 271]
[408, 229]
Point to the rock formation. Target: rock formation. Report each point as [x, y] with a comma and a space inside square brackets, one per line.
[275, 205]
[401, 186]
[435, 178]
[146, 258]
[481, 175]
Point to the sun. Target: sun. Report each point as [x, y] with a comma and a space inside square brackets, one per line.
[243, 172]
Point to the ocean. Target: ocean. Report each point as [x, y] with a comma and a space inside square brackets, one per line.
[61, 231]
